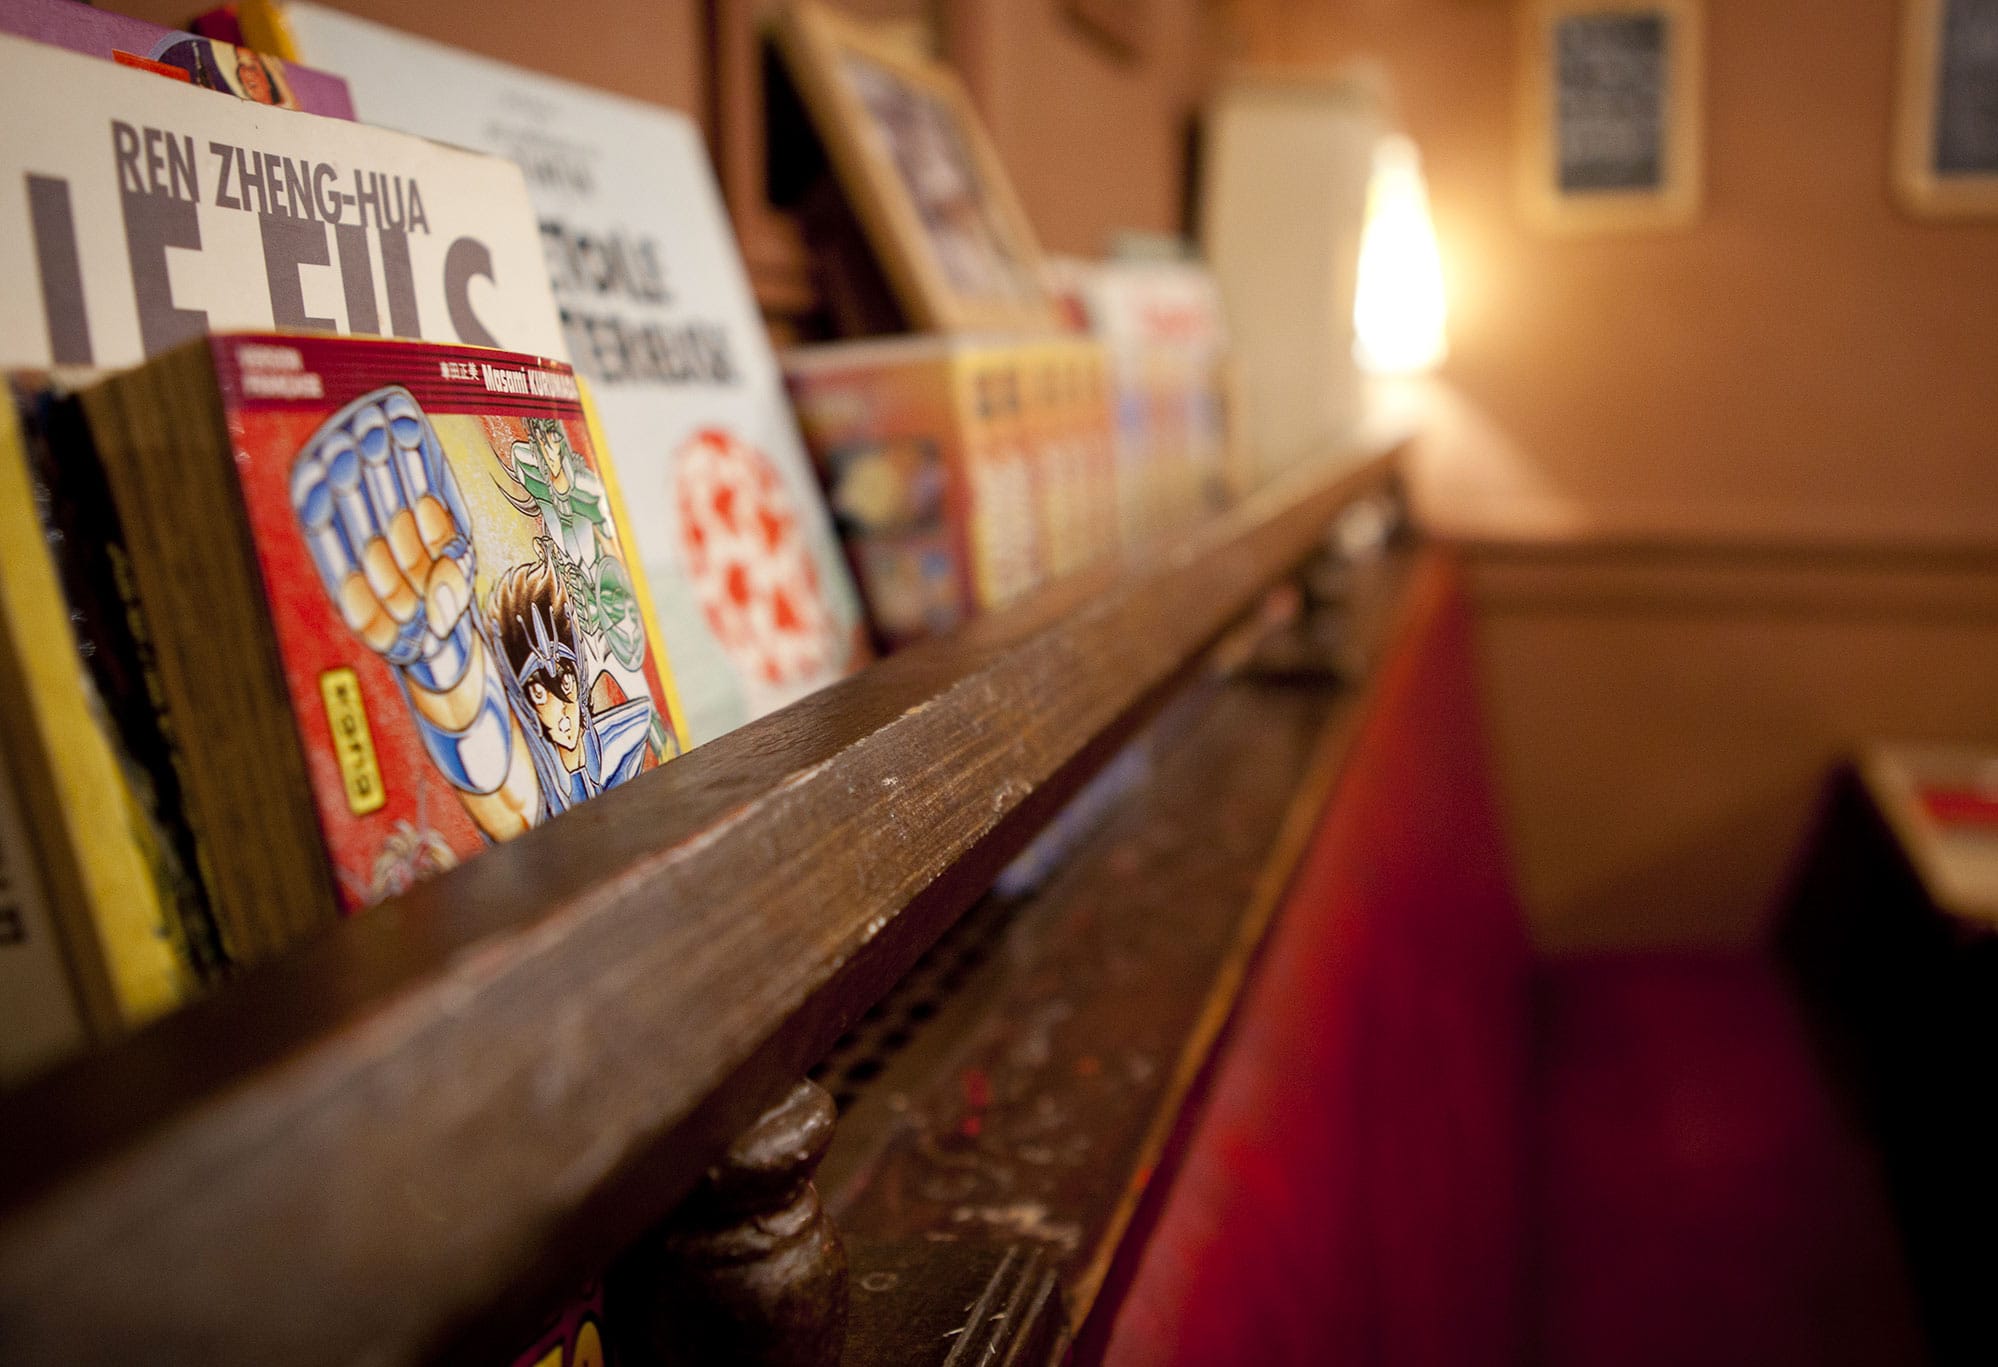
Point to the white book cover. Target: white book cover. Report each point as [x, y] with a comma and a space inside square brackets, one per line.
[139, 213]
[753, 595]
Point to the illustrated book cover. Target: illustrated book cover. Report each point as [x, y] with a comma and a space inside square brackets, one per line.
[964, 472]
[1162, 327]
[137, 213]
[396, 606]
[186, 57]
[754, 600]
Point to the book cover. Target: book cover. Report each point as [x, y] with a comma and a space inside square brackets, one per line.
[461, 622]
[754, 599]
[576, 1337]
[1165, 343]
[964, 472]
[89, 871]
[885, 424]
[1006, 506]
[187, 57]
[139, 213]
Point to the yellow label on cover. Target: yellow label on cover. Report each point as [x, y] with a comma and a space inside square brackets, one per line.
[347, 718]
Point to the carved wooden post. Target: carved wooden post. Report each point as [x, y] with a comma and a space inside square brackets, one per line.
[749, 1270]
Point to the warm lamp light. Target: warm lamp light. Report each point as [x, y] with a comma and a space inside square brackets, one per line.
[1398, 303]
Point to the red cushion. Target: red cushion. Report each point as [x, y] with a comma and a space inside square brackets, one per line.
[1701, 1196]
[1353, 1191]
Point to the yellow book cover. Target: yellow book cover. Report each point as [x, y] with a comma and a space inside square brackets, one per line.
[109, 896]
[1004, 516]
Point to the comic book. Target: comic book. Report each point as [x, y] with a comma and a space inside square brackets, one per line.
[1163, 333]
[95, 907]
[398, 612]
[136, 213]
[754, 599]
[963, 471]
[186, 57]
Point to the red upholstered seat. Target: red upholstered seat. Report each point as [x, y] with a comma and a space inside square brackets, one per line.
[1699, 1197]
[1421, 1148]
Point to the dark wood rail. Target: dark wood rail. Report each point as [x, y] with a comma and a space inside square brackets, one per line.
[355, 1153]
[1029, 1083]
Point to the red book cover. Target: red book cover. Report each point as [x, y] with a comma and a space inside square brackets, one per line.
[1959, 806]
[461, 621]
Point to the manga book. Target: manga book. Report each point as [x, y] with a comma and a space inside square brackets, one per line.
[452, 591]
[187, 57]
[100, 928]
[963, 471]
[754, 600]
[446, 603]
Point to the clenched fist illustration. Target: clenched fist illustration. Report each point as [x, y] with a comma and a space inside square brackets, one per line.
[389, 532]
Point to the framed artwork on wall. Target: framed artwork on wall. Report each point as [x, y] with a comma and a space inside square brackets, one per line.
[1946, 133]
[921, 176]
[1611, 121]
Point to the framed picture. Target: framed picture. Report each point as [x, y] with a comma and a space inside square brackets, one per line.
[1612, 127]
[920, 173]
[1946, 134]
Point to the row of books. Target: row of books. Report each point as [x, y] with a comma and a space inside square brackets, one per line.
[963, 472]
[301, 618]
[317, 571]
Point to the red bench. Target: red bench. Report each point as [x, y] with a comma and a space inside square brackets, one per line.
[1423, 1146]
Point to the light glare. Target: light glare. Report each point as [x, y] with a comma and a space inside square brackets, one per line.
[1398, 303]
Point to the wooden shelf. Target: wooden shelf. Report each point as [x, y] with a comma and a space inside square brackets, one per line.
[1026, 1083]
[445, 1106]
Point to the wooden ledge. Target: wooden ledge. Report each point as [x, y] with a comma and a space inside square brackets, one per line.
[1042, 1102]
[356, 1152]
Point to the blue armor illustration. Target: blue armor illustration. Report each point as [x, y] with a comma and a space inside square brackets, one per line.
[495, 691]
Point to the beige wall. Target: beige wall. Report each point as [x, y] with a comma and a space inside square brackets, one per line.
[1747, 471]
[1095, 141]
[1804, 360]
[1660, 723]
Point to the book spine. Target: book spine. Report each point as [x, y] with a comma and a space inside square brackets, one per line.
[74, 824]
[41, 1018]
[117, 651]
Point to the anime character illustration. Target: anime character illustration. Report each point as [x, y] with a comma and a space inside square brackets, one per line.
[412, 853]
[240, 71]
[544, 479]
[495, 689]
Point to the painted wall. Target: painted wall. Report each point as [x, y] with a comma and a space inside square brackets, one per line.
[1662, 722]
[1803, 362]
[1095, 139]
[1717, 466]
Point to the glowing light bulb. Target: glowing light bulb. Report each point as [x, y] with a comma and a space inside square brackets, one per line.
[1398, 303]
